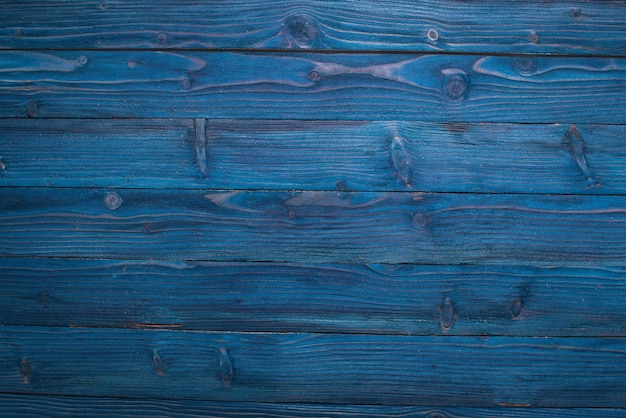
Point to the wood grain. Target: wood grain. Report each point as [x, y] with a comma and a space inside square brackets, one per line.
[554, 27]
[342, 227]
[308, 86]
[62, 406]
[297, 155]
[314, 368]
[274, 297]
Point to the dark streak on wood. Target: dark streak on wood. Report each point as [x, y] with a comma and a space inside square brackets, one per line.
[201, 144]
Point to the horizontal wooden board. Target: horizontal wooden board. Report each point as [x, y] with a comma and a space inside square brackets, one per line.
[316, 368]
[383, 299]
[348, 227]
[63, 406]
[288, 155]
[310, 86]
[555, 27]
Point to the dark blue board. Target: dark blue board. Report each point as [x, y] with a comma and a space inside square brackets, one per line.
[314, 368]
[62, 406]
[313, 226]
[341, 298]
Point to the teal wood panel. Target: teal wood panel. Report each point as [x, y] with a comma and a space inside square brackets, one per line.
[315, 368]
[312, 86]
[62, 406]
[342, 227]
[278, 297]
[314, 155]
[554, 27]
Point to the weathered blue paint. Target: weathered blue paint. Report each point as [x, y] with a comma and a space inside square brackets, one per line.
[314, 155]
[310, 209]
[315, 368]
[340, 298]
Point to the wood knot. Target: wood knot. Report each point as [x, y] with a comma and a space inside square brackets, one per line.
[446, 317]
[302, 31]
[314, 76]
[432, 35]
[534, 38]
[575, 13]
[400, 160]
[32, 108]
[44, 298]
[157, 364]
[455, 84]
[163, 38]
[226, 368]
[516, 308]
[421, 220]
[525, 65]
[112, 201]
[25, 370]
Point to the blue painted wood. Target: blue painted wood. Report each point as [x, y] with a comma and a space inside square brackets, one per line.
[348, 133]
[554, 27]
[62, 406]
[441, 88]
[315, 368]
[324, 227]
[296, 155]
[270, 297]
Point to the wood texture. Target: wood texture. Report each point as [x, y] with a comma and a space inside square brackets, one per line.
[62, 406]
[296, 155]
[314, 368]
[346, 227]
[273, 297]
[555, 27]
[305, 86]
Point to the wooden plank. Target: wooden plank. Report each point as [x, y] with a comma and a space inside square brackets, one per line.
[383, 299]
[307, 86]
[323, 227]
[63, 406]
[297, 155]
[314, 368]
[554, 27]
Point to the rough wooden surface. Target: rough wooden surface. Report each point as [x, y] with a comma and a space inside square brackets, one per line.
[343, 227]
[442, 88]
[62, 406]
[296, 155]
[330, 208]
[554, 27]
[315, 368]
[270, 297]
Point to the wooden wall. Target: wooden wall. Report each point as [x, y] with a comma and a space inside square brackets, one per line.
[321, 208]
